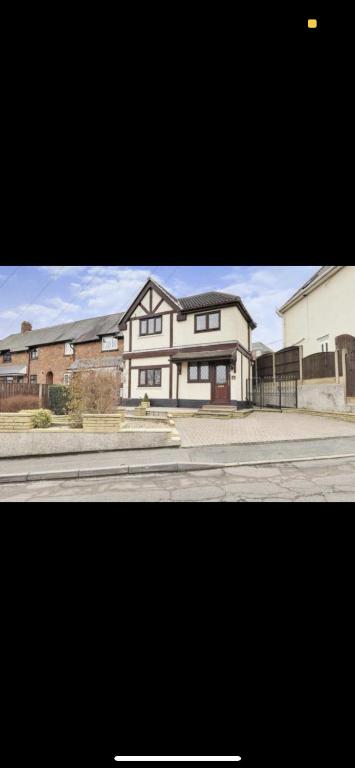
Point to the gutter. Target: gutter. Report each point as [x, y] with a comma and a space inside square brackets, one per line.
[302, 293]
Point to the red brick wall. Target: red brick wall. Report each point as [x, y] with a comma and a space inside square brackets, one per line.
[17, 358]
[51, 358]
[93, 349]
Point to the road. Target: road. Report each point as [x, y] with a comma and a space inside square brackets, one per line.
[326, 480]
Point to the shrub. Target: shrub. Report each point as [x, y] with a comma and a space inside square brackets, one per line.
[58, 399]
[91, 392]
[146, 398]
[42, 419]
[16, 403]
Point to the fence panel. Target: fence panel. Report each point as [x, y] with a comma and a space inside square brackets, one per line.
[321, 365]
[288, 363]
[14, 396]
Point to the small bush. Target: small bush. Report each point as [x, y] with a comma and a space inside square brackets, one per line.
[16, 403]
[42, 419]
[91, 392]
[58, 399]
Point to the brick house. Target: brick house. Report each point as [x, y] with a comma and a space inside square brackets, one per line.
[51, 355]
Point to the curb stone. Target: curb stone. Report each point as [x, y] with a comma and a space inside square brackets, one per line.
[73, 474]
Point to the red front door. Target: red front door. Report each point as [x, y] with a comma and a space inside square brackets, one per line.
[220, 384]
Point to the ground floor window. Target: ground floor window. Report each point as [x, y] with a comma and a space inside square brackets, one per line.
[33, 379]
[149, 377]
[67, 379]
[198, 372]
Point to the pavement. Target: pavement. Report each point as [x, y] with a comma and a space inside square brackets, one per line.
[173, 459]
[330, 480]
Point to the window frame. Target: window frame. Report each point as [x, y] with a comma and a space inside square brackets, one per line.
[207, 315]
[7, 356]
[146, 320]
[34, 353]
[69, 354]
[199, 365]
[33, 376]
[113, 339]
[145, 372]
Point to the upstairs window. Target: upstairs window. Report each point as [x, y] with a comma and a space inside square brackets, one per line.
[150, 326]
[209, 321]
[69, 348]
[34, 354]
[7, 357]
[109, 343]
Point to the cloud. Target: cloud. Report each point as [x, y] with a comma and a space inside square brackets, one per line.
[58, 272]
[263, 290]
[52, 312]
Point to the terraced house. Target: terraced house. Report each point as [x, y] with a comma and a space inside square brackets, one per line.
[51, 355]
[187, 352]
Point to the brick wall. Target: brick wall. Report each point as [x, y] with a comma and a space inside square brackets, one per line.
[50, 359]
[93, 349]
[17, 358]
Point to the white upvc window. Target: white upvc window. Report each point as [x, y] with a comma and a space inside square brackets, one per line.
[109, 343]
[67, 379]
[69, 348]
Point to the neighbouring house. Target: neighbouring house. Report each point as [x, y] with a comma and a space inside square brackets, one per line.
[187, 352]
[51, 355]
[320, 311]
[258, 349]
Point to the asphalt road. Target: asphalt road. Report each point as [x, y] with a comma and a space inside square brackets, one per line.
[312, 481]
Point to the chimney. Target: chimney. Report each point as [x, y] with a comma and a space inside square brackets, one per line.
[25, 327]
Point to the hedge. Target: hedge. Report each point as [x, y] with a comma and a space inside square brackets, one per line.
[58, 399]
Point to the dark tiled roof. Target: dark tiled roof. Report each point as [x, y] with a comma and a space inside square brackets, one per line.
[210, 299]
[78, 331]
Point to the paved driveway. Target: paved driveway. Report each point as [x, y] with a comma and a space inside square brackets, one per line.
[260, 428]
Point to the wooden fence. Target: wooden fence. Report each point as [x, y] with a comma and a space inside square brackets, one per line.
[287, 364]
[14, 396]
[321, 365]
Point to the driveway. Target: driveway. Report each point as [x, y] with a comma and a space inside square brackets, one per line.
[260, 428]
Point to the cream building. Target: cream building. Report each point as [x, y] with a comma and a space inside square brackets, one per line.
[320, 310]
[186, 352]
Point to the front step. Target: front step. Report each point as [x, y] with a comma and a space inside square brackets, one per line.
[221, 412]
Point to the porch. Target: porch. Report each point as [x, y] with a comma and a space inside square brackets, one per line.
[206, 379]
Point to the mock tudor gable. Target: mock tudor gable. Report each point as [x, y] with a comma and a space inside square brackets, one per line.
[186, 351]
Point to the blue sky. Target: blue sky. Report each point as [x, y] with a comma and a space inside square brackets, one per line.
[59, 294]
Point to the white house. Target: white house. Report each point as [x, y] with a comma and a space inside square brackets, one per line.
[321, 310]
[186, 352]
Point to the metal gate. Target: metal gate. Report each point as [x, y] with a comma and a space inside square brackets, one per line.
[350, 373]
[267, 393]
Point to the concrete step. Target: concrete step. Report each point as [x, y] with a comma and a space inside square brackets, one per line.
[221, 413]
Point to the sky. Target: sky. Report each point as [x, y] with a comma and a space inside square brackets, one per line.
[50, 295]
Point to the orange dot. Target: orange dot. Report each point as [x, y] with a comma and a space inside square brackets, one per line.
[312, 23]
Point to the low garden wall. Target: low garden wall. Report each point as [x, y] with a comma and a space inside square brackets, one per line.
[48, 442]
